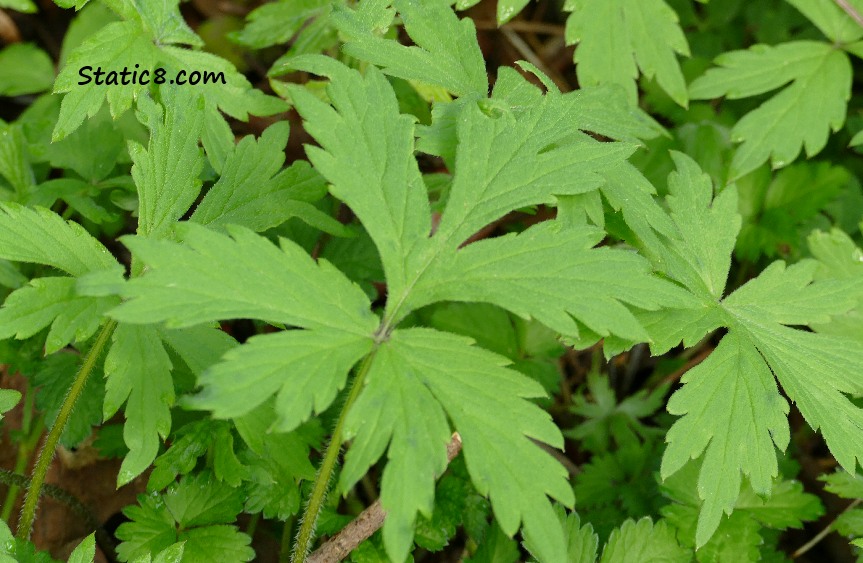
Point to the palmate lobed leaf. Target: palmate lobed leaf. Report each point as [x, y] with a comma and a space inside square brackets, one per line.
[842, 260]
[643, 540]
[505, 156]
[197, 512]
[183, 288]
[739, 379]
[42, 237]
[306, 368]
[526, 275]
[53, 301]
[518, 157]
[148, 38]
[618, 38]
[739, 536]
[405, 398]
[254, 191]
[445, 52]
[166, 172]
[138, 372]
[277, 22]
[801, 115]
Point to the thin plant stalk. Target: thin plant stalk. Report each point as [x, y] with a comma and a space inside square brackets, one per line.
[46, 454]
[319, 491]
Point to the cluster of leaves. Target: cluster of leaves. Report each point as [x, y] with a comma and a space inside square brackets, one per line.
[131, 237]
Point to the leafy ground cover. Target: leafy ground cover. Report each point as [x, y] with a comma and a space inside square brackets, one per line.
[482, 281]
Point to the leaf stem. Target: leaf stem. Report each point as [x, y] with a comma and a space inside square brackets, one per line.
[31, 434]
[823, 533]
[46, 454]
[319, 491]
[851, 11]
[367, 523]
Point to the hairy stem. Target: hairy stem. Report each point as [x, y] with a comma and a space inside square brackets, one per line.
[103, 538]
[46, 454]
[319, 491]
[31, 433]
[367, 523]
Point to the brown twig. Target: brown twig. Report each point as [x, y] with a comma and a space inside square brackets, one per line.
[697, 359]
[560, 456]
[367, 523]
[103, 538]
[8, 30]
[851, 11]
[525, 51]
[525, 27]
[823, 533]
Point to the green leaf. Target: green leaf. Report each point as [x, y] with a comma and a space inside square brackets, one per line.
[84, 552]
[287, 452]
[25, 6]
[618, 38]
[199, 347]
[840, 259]
[304, 368]
[844, 484]
[519, 157]
[383, 187]
[165, 22]
[643, 541]
[8, 399]
[452, 495]
[619, 484]
[508, 9]
[739, 536]
[801, 115]
[850, 523]
[56, 373]
[779, 214]
[138, 373]
[195, 511]
[54, 302]
[277, 22]
[216, 543]
[445, 51]
[116, 46]
[150, 529]
[738, 377]
[123, 45]
[787, 507]
[189, 443]
[92, 151]
[607, 418]
[831, 19]
[166, 172]
[550, 274]
[254, 191]
[14, 158]
[171, 554]
[405, 379]
[230, 92]
[581, 542]
[736, 539]
[496, 547]
[43, 237]
[184, 289]
[27, 70]
[199, 500]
